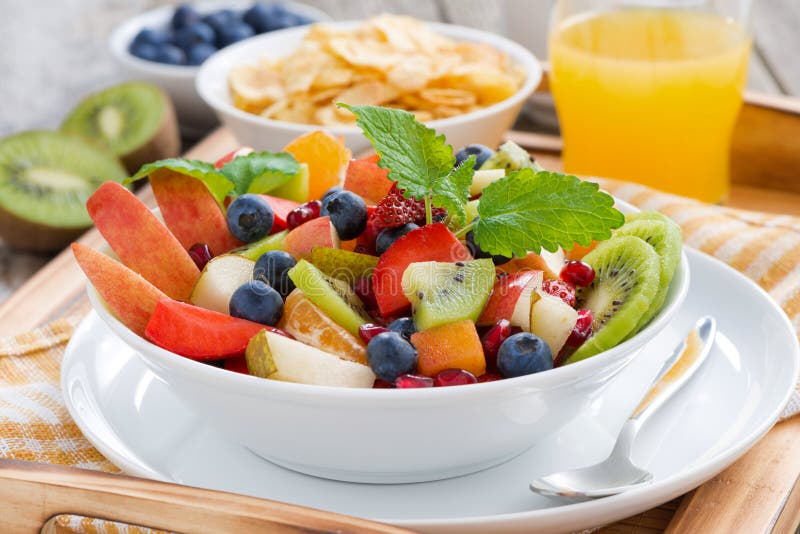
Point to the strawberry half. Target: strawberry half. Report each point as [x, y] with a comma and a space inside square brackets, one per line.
[395, 210]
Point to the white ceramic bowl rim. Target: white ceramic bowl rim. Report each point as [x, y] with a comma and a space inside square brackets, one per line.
[232, 381]
[516, 52]
[121, 37]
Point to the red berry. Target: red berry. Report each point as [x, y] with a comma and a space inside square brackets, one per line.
[303, 213]
[201, 254]
[382, 384]
[577, 273]
[489, 377]
[582, 329]
[368, 331]
[363, 289]
[561, 289]
[454, 377]
[395, 210]
[492, 340]
[413, 381]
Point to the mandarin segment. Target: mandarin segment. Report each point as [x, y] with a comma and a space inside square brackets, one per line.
[450, 346]
[326, 156]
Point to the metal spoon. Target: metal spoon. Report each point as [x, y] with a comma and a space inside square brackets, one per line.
[618, 473]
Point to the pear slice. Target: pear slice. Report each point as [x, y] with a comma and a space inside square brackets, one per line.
[220, 278]
[277, 357]
[483, 178]
[552, 319]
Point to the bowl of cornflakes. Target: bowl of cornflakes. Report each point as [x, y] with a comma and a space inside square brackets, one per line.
[467, 84]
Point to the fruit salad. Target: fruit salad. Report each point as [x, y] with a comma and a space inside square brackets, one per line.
[416, 267]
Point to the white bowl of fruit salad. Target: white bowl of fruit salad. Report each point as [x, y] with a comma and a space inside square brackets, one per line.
[371, 337]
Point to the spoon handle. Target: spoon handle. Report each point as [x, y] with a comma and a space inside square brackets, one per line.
[687, 357]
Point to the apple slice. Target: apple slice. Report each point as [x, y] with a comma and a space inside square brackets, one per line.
[130, 297]
[552, 319]
[550, 263]
[221, 277]
[232, 155]
[273, 356]
[280, 210]
[198, 333]
[318, 232]
[511, 299]
[141, 241]
[367, 180]
[191, 212]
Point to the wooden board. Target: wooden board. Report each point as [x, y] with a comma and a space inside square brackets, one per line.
[758, 494]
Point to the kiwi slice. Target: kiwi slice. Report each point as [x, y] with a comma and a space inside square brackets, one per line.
[342, 264]
[133, 120]
[334, 297]
[442, 292]
[665, 236]
[511, 157]
[627, 279]
[45, 180]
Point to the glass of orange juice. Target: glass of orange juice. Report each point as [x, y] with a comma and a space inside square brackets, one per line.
[649, 90]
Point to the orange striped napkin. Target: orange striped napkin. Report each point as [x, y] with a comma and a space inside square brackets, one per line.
[34, 424]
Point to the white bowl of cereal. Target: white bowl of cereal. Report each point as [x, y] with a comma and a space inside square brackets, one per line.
[467, 84]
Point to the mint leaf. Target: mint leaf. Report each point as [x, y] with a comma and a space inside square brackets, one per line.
[260, 172]
[420, 161]
[452, 193]
[529, 211]
[214, 180]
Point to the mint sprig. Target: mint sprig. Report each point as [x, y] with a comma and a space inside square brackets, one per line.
[419, 160]
[217, 183]
[260, 172]
[529, 211]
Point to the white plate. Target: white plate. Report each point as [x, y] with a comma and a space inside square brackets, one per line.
[130, 416]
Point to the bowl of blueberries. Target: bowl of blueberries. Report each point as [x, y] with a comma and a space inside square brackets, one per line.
[166, 46]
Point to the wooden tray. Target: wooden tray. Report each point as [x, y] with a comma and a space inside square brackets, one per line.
[758, 494]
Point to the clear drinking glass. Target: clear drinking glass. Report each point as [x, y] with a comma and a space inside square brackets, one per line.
[649, 90]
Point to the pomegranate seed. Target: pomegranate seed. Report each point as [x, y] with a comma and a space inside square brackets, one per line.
[489, 377]
[492, 340]
[454, 377]
[201, 254]
[577, 273]
[582, 329]
[413, 381]
[363, 289]
[382, 384]
[303, 213]
[369, 330]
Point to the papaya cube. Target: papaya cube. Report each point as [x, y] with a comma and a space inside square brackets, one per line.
[450, 346]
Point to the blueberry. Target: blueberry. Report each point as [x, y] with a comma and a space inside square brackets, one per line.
[478, 253]
[170, 54]
[233, 33]
[403, 326]
[348, 214]
[389, 356]
[387, 237]
[329, 192]
[481, 153]
[257, 302]
[249, 218]
[197, 33]
[199, 53]
[259, 17]
[184, 15]
[273, 268]
[287, 19]
[145, 51]
[219, 19]
[150, 37]
[523, 354]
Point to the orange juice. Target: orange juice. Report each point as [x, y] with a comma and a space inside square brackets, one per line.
[650, 95]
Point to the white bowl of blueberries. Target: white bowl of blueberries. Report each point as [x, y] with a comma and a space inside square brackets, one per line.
[166, 46]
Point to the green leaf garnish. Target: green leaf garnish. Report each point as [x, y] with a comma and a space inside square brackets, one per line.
[216, 182]
[529, 211]
[420, 161]
[260, 172]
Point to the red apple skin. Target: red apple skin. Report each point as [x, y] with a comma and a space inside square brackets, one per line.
[191, 213]
[504, 297]
[317, 232]
[141, 241]
[367, 180]
[130, 297]
[280, 210]
[198, 333]
[230, 156]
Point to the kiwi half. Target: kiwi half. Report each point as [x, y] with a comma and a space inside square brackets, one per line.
[134, 120]
[510, 157]
[665, 237]
[627, 279]
[45, 180]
